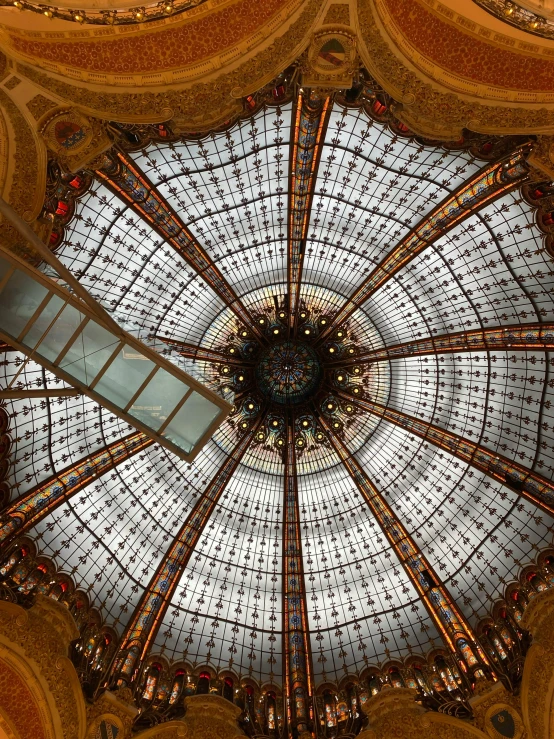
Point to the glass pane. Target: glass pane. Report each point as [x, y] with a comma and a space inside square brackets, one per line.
[158, 399]
[89, 352]
[123, 377]
[63, 329]
[18, 301]
[50, 310]
[5, 267]
[191, 422]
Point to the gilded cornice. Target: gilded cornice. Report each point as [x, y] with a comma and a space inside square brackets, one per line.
[28, 634]
[202, 105]
[466, 57]
[25, 190]
[165, 53]
[429, 110]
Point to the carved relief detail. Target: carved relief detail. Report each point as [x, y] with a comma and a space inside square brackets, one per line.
[41, 634]
[39, 105]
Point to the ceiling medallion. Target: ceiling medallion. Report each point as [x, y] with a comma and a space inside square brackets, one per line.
[289, 380]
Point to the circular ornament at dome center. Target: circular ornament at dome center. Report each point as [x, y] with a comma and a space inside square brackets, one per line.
[288, 373]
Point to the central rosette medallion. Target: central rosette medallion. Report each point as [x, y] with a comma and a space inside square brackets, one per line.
[289, 373]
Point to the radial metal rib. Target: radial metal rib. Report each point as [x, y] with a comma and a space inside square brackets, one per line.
[309, 131]
[143, 626]
[451, 624]
[528, 337]
[528, 484]
[25, 512]
[123, 176]
[489, 184]
[296, 647]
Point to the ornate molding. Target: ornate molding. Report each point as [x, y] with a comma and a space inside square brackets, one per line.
[433, 112]
[170, 51]
[199, 107]
[211, 717]
[40, 636]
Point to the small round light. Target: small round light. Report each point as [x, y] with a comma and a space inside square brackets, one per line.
[18, 4]
[244, 425]
[139, 14]
[331, 350]
[307, 331]
[357, 370]
[244, 333]
[275, 423]
[319, 436]
[323, 321]
[250, 406]
[336, 424]
[299, 442]
[351, 350]
[356, 390]
[47, 12]
[226, 370]
[305, 423]
[261, 436]
[168, 8]
[241, 378]
[261, 321]
[349, 409]
[275, 331]
[280, 442]
[282, 315]
[79, 17]
[303, 315]
[330, 406]
[232, 350]
[340, 378]
[340, 334]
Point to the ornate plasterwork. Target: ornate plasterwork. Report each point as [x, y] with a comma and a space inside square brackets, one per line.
[211, 717]
[40, 105]
[332, 59]
[181, 51]
[337, 14]
[19, 706]
[116, 710]
[394, 713]
[430, 111]
[40, 637]
[74, 139]
[201, 106]
[537, 687]
[463, 58]
[26, 174]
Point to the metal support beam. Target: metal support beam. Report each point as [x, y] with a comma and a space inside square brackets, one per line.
[191, 351]
[528, 337]
[48, 324]
[123, 176]
[30, 508]
[310, 124]
[143, 626]
[489, 184]
[299, 690]
[535, 488]
[451, 624]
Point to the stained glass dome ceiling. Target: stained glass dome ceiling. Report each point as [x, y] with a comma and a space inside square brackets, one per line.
[303, 209]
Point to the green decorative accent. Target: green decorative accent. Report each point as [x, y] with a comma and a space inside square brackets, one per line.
[289, 373]
[504, 723]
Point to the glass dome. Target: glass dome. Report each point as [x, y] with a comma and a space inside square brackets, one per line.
[359, 295]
